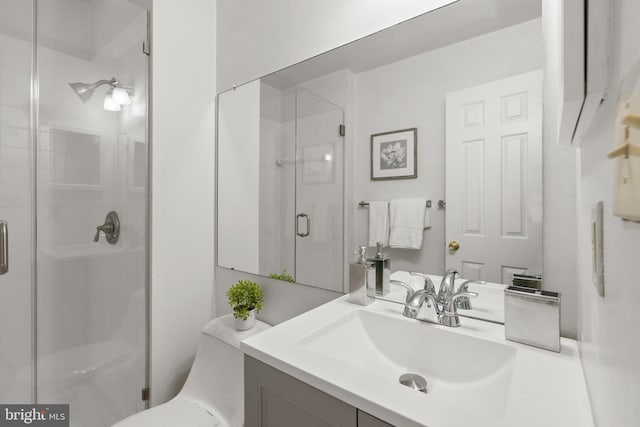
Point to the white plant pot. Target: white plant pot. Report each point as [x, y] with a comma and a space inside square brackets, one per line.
[244, 325]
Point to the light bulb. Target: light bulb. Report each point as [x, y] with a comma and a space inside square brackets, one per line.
[121, 96]
[110, 104]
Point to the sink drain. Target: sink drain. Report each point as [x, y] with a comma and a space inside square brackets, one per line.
[414, 381]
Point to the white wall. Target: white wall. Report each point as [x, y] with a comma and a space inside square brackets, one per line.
[609, 334]
[183, 130]
[277, 185]
[239, 133]
[559, 176]
[411, 93]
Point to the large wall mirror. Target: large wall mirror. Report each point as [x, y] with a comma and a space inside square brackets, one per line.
[295, 149]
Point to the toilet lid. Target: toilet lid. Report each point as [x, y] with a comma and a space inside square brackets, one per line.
[223, 329]
[176, 412]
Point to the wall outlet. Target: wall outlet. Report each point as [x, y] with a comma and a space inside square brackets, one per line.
[597, 250]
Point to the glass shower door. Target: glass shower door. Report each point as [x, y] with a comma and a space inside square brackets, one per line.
[319, 191]
[72, 308]
[92, 151]
[16, 208]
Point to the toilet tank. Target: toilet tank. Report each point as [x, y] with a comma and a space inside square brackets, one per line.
[216, 379]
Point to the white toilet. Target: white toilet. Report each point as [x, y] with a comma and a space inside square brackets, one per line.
[213, 394]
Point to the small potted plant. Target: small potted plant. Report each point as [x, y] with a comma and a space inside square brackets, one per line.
[246, 298]
[283, 276]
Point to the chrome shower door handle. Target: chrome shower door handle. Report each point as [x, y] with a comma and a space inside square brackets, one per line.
[306, 233]
[4, 247]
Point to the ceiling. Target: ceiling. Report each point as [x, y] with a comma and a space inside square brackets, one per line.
[81, 28]
[451, 24]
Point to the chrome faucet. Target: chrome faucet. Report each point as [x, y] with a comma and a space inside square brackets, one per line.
[447, 315]
[414, 304]
[410, 291]
[447, 289]
[447, 286]
[428, 283]
[463, 303]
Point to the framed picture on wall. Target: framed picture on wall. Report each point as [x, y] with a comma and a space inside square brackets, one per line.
[394, 155]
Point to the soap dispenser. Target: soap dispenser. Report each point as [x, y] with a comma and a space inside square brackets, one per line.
[362, 279]
[382, 265]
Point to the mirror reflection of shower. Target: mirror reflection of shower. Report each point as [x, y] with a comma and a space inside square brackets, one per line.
[117, 95]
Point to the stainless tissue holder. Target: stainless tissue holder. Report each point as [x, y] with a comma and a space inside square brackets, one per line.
[532, 317]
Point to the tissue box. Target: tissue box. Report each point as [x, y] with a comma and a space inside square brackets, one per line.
[532, 317]
[527, 281]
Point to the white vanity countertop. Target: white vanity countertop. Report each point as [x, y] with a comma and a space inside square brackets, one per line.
[547, 388]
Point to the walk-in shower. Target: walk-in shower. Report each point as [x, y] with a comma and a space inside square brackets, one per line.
[73, 310]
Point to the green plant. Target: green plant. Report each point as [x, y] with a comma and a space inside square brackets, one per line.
[243, 297]
[283, 276]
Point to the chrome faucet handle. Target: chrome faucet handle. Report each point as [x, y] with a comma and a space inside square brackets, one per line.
[449, 315]
[410, 291]
[428, 283]
[107, 228]
[111, 228]
[447, 286]
[464, 303]
[413, 305]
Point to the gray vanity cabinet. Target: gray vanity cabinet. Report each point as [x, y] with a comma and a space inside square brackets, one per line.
[366, 420]
[275, 399]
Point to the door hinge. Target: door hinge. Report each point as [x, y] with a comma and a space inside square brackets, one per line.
[145, 394]
[341, 130]
[146, 48]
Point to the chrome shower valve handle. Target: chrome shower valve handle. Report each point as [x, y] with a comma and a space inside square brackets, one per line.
[110, 228]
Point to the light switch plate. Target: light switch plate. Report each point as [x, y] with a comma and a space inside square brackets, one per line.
[597, 241]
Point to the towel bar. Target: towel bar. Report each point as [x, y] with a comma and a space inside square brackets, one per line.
[364, 204]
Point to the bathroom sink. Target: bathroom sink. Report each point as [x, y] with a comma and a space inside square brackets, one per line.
[459, 369]
[475, 377]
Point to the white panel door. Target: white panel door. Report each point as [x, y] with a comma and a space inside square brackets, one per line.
[494, 178]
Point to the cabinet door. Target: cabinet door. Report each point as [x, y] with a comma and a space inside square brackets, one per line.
[275, 399]
[366, 420]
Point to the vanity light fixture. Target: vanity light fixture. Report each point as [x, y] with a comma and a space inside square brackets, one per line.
[117, 95]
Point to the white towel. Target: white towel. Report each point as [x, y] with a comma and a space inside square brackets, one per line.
[407, 222]
[427, 218]
[378, 223]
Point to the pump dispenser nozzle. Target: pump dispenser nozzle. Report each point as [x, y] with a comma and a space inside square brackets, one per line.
[362, 279]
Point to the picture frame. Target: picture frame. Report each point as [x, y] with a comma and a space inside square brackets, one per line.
[394, 155]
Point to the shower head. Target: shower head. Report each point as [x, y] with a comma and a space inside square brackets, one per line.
[85, 90]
